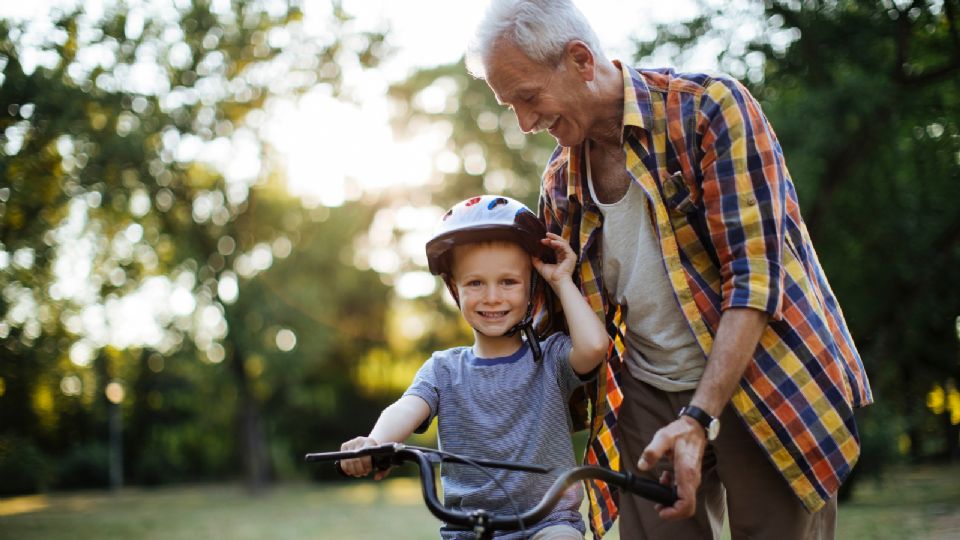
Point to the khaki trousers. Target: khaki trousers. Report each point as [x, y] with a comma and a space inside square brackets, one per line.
[761, 504]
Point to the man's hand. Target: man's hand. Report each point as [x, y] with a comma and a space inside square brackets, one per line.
[360, 466]
[683, 442]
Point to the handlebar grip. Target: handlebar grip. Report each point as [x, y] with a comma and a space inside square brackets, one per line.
[380, 463]
[665, 495]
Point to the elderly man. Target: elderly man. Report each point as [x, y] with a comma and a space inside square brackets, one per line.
[732, 372]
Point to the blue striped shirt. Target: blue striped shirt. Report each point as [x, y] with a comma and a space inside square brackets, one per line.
[509, 409]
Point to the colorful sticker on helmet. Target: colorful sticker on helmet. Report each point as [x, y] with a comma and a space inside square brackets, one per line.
[472, 201]
[496, 202]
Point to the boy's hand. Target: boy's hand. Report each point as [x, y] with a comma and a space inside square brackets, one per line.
[566, 260]
[360, 466]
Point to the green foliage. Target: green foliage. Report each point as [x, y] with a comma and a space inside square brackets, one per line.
[106, 127]
[23, 467]
[865, 98]
[481, 131]
[84, 466]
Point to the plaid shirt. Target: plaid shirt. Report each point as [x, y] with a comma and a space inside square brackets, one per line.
[731, 235]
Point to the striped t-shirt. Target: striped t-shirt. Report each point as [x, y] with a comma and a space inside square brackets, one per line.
[509, 409]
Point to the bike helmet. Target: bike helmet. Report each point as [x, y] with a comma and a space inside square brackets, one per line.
[490, 218]
[484, 219]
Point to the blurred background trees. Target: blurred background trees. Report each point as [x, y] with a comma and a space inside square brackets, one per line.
[154, 267]
[136, 186]
[865, 98]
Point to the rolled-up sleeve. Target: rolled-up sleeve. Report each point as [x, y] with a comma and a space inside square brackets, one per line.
[744, 183]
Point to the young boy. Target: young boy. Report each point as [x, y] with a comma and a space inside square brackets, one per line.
[503, 398]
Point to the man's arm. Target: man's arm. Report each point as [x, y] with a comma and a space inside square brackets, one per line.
[733, 348]
[396, 423]
[744, 183]
[684, 440]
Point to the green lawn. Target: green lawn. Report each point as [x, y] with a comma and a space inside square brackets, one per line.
[918, 503]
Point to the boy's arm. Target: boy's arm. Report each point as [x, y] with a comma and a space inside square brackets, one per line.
[587, 334]
[396, 423]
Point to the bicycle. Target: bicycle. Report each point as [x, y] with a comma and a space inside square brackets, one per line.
[483, 523]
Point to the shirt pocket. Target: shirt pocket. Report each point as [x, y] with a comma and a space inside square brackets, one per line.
[680, 196]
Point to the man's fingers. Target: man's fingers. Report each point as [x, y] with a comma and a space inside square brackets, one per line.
[665, 478]
[688, 480]
[681, 509]
[685, 506]
[660, 445]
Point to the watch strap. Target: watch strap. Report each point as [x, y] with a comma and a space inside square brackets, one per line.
[698, 414]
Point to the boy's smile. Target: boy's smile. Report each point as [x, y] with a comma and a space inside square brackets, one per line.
[493, 315]
[492, 280]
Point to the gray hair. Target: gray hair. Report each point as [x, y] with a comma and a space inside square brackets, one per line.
[541, 29]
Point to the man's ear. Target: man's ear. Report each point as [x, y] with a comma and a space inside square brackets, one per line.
[580, 58]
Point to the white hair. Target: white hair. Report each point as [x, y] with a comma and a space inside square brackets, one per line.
[541, 29]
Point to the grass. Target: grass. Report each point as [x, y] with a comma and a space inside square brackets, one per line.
[920, 502]
[917, 503]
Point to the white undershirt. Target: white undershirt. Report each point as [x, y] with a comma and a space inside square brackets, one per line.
[661, 349]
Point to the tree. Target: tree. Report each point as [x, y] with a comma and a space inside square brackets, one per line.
[122, 162]
[486, 151]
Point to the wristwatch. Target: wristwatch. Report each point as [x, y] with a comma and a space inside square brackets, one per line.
[710, 424]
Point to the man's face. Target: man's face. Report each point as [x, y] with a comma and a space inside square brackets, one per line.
[543, 97]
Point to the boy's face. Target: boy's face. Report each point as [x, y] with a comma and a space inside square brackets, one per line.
[493, 282]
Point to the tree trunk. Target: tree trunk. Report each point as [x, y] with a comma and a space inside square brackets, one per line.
[952, 432]
[249, 421]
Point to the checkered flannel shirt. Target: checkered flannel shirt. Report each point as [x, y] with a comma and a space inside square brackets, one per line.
[731, 235]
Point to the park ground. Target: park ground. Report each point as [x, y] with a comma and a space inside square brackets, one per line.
[920, 503]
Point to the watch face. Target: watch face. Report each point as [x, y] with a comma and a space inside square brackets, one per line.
[713, 429]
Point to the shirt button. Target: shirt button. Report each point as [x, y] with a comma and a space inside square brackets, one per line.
[750, 201]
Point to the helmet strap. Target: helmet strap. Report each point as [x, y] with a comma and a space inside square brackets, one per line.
[453, 290]
[526, 324]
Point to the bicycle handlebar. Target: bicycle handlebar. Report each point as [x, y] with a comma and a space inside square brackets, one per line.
[387, 455]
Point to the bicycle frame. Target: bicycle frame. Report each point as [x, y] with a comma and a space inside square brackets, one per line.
[484, 523]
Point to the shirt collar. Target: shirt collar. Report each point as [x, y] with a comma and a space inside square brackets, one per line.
[637, 110]
[509, 359]
[637, 113]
